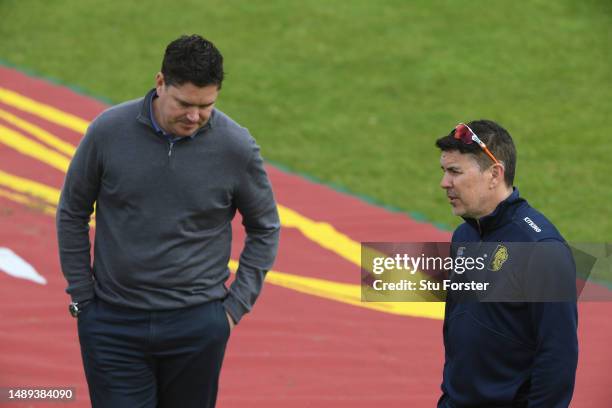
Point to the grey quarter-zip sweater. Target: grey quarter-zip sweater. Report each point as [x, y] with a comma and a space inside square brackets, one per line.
[163, 214]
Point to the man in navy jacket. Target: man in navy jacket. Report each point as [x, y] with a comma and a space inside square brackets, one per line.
[518, 353]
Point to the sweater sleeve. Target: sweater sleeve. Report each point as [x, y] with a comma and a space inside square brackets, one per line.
[255, 202]
[74, 211]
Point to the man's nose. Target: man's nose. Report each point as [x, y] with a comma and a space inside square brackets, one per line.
[193, 115]
[445, 183]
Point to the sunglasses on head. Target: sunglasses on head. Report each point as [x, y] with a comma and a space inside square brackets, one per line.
[467, 136]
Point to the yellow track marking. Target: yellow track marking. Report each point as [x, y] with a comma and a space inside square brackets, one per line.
[323, 234]
[39, 133]
[30, 187]
[33, 149]
[31, 193]
[350, 294]
[27, 201]
[47, 112]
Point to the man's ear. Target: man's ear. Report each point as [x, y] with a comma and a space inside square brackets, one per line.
[159, 82]
[497, 175]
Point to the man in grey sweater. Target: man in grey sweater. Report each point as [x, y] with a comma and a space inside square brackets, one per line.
[167, 173]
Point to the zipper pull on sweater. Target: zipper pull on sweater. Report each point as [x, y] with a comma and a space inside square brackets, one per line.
[171, 145]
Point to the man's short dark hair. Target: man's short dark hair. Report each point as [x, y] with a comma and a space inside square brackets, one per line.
[497, 139]
[192, 59]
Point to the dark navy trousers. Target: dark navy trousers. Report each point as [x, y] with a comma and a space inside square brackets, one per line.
[143, 359]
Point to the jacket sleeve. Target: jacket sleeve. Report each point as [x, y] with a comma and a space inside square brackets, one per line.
[555, 327]
[255, 202]
[74, 211]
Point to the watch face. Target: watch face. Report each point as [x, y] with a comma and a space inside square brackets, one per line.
[73, 309]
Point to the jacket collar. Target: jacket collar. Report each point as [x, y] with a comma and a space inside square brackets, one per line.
[502, 214]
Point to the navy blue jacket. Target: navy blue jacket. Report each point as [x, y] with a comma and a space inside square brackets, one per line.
[511, 354]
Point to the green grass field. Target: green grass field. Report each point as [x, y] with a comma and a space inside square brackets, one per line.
[354, 93]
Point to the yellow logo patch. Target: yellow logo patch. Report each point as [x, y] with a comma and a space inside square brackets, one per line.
[499, 257]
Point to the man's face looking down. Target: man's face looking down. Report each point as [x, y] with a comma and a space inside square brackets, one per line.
[183, 109]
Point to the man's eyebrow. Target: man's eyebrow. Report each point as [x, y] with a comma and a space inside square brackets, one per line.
[451, 167]
[185, 103]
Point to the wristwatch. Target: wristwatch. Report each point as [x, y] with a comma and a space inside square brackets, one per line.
[76, 307]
